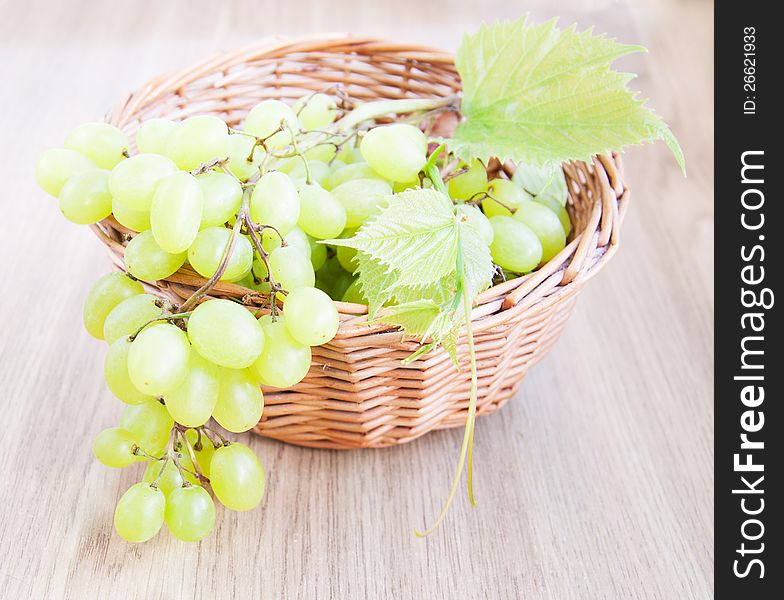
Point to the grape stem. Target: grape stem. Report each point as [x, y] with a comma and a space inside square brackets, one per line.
[137, 451]
[164, 461]
[243, 218]
[480, 196]
[209, 432]
[462, 295]
[161, 317]
[297, 153]
[455, 173]
[184, 441]
[191, 302]
[209, 166]
[372, 110]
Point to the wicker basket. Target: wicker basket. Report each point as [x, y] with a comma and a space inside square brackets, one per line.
[357, 393]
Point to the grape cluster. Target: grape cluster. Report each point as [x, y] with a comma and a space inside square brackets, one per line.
[247, 206]
[176, 371]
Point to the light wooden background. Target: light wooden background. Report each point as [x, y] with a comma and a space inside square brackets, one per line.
[595, 482]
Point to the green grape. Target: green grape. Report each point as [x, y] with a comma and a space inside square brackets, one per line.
[240, 401]
[350, 154]
[344, 254]
[149, 424]
[397, 152]
[203, 450]
[133, 181]
[267, 117]
[317, 169]
[237, 477]
[102, 143]
[137, 220]
[320, 215]
[113, 447]
[354, 293]
[398, 187]
[247, 282]
[476, 219]
[311, 316]
[198, 140]
[153, 135]
[239, 150]
[139, 513]
[543, 182]
[507, 193]
[318, 254]
[175, 214]
[341, 284]
[515, 247]
[106, 293]
[316, 111]
[342, 174]
[291, 268]
[222, 198]
[329, 276]
[296, 238]
[207, 250]
[171, 478]
[275, 202]
[158, 359]
[546, 225]
[468, 184]
[262, 286]
[284, 361]
[560, 211]
[190, 513]
[259, 272]
[226, 333]
[115, 372]
[85, 197]
[129, 315]
[56, 166]
[346, 258]
[362, 198]
[324, 152]
[286, 164]
[146, 260]
[191, 404]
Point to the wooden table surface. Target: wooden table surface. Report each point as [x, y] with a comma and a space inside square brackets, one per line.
[594, 482]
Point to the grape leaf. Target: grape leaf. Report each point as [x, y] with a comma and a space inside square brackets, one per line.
[536, 94]
[477, 263]
[542, 182]
[426, 319]
[414, 236]
[407, 256]
[415, 318]
[374, 280]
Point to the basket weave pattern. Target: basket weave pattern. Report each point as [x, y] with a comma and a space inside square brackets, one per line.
[357, 393]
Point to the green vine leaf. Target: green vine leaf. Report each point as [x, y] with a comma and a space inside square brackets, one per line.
[380, 287]
[409, 250]
[536, 94]
[407, 257]
[544, 182]
[415, 318]
[375, 279]
[414, 236]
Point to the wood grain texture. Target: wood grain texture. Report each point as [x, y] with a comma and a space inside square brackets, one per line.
[595, 482]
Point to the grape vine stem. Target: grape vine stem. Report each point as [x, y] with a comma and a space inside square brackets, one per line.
[462, 295]
[243, 218]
